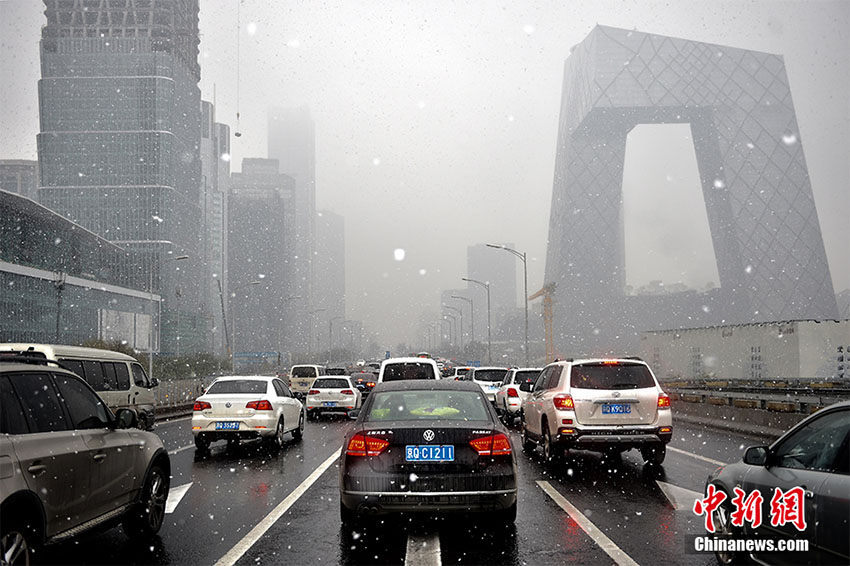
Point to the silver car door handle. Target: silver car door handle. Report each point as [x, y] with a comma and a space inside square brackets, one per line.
[99, 457]
[37, 469]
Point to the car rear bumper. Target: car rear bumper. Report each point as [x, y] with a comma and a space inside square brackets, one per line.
[623, 438]
[250, 427]
[428, 502]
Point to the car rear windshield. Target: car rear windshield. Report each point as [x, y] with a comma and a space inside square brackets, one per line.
[238, 386]
[330, 384]
[336, 371]
[526, 376]
[611, 376]
[425, 405]
[489, 375]
[412, 370]
[303, 372]
[462, 371]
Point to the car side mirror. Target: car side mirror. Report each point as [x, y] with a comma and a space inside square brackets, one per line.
[757, 455]
[353, 414]
[126, 418]
[154, 382]
[528, 387]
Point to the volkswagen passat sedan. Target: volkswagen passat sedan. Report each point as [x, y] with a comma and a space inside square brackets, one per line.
[332, 394]
[810, 467]
[68, 466]
[427, 446]
[243, 407]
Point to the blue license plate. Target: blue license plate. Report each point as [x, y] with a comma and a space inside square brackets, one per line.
[329, 404]
[616, 409]
[426, 453]
[227, 425]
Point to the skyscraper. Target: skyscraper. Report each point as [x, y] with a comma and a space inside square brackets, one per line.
[118, 149]
[292, 141]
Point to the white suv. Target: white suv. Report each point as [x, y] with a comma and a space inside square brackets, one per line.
[610, 405]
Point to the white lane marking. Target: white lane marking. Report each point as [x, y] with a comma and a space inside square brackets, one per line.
[697, 456]
[175, 420]
[175, 494]
[181, 449]
[423, 550]
[592, 530]
[254, 535]
[679, 497]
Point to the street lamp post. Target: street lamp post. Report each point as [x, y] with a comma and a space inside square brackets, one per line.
[440, 323]
[312, 331]
[471, 314]
[520, 255]
[452, 322]
[460, 314]
[233, 322]
[489, 336]
[159, 315]
[330, 331]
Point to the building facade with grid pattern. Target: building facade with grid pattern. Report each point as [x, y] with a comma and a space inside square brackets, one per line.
[761, 212]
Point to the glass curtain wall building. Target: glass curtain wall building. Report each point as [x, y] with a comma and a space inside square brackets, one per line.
[118, 149]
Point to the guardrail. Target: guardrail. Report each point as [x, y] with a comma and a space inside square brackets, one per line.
[176, 393]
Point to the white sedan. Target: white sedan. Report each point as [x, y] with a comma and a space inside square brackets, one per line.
[509, 397]
[242, 407]
[332, 394]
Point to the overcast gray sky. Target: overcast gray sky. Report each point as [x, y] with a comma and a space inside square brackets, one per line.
[436, 124]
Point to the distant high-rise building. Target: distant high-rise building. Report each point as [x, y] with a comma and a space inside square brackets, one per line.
[755, 183]
[329, 274]
[19, 176]
[260, 231]
[215, 186]
[500, 270]
[118, 149]
[292, 141]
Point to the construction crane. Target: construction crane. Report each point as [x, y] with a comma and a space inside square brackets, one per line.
[546, 292]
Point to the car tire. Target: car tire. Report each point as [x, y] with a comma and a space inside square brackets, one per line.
[505, 517]
[551, 453]
[654, 454]
[16, 542]
[146, 516]
[298, 433]
[725, 529]
[347, 516]
[201, 443]
[528, 445]
[312, 414]
[276, 442]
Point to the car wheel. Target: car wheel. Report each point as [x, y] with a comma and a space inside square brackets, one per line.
[346, 515]
[654, 454]
[298, 433]
[550, 451]
[527, 444]
[16, 542]
[145, 517]
[505, 517]
[201, 443]
[724, 529]
[312, 414]
[276, 441]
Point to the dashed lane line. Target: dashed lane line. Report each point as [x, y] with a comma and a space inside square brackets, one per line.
[606, 544]
[254, 535]
[181, 449]
[175, 494]
[423, 550]
[679, 497]
[697, 456]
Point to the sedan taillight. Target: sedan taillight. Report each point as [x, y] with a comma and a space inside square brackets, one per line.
[663, 401]
[201, 405]
[494, 445]
[313, 392]
[346, 392]
[263, 405]
[363, 445]
[512, 392]
[564, 402]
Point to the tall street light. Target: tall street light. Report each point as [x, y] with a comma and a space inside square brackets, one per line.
[460, 314]
[312, 331]
[489, 337]
[159, 315]
[471, 313]
[233, 322]
[330, 331]
[524, 295]
[452, 322]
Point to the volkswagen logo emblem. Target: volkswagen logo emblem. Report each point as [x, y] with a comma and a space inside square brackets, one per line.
[227, 404]
[615, 394]
[428, 435]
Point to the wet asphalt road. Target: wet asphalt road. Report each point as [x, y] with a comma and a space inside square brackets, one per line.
[230, 490]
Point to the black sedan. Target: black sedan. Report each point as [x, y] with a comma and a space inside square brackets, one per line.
[794, 495]
[427, 446]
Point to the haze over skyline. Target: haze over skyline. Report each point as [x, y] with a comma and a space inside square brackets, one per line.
[436, 126]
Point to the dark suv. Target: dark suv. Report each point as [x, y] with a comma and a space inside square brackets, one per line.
[68, 465]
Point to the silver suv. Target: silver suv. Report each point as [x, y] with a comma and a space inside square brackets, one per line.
[67, 465]
[610, 405]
